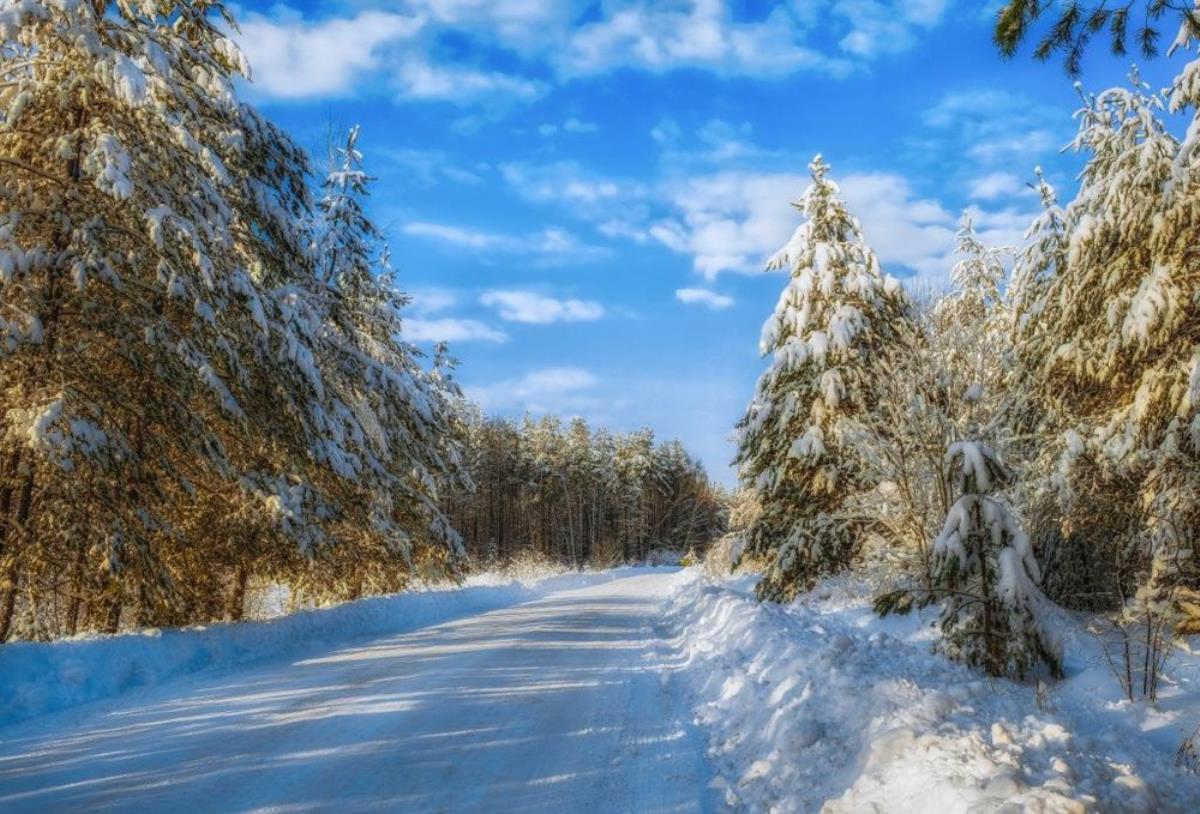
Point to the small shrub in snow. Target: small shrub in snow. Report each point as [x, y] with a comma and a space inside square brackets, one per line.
[993, 613]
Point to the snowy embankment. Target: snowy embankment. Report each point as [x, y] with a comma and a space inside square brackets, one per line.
[41, 677]
[821, 705]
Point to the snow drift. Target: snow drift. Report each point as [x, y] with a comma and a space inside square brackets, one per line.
[42, 677]
[821, 705]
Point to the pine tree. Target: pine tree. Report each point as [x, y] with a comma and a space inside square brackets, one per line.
[393, 424]
[837, 313]
[146, 219]
[987, 576]
[194, 393]
[1115, 342]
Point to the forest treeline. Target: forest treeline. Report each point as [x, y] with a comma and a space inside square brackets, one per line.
[204, 382]
[1024, 442]
[579, 495]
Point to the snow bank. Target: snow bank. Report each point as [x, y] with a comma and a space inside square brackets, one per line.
[41, 677]
[821, 705]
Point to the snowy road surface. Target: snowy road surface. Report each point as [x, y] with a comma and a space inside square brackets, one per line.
[555, 705]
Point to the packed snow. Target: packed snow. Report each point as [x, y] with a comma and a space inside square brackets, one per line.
[553, 704]
[37, 678]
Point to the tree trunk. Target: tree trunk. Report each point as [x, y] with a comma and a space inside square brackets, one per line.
[76, 593]
[8, 600]
[237, 600]
[112, 620]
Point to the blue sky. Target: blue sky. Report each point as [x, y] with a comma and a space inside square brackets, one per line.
[580, 195]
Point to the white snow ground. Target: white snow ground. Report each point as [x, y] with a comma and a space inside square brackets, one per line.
[552, 705]
[821, 705]
[638, 690]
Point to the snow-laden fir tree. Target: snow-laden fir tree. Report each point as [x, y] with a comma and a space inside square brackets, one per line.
[399, 418]
[1115, 345]
[985, 573]
[183, 399]
[836, 315]
[145, 215]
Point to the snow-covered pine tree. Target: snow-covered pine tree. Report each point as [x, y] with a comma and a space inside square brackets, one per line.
[138, 221]
[396, 420]
[154, 260]
[993, 615]
[1115, 345]
[1040, 257]
[837, 314]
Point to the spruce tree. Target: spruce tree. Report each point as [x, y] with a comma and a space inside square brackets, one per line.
[985, 573]
[836, 314]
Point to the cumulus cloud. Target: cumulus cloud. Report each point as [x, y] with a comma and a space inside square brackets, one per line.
[538, 309]
[552, 389]
[704, 297]
[295, 56]
[550, 245]
[996, 185]
[878, 27]
[451, 329]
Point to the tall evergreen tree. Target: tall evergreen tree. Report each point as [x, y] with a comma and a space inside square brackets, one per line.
[837, 313]
[189, 393]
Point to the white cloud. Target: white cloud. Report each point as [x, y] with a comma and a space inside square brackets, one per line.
[451, 329]
[403, 47]
[431, 300]
[534, 308]
[729, 221]
[292, 58]
[424, 167]
[550, 245]
[702, 296]
[571, 125]
[878, 27]
[418, 79]
[996, 185]
[659, 36]
[996, 126]
[553, 389]
[455, 234]
[563, 181]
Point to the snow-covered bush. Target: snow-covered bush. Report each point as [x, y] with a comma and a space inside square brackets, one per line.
[994, 616]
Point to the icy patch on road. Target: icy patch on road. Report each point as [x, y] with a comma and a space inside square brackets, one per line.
[822, 706]
[41, 677]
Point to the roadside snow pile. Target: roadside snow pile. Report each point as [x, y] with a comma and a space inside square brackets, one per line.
[41, 677]
[821, 705]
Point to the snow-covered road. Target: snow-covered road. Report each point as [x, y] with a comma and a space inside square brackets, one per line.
[553, 705]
